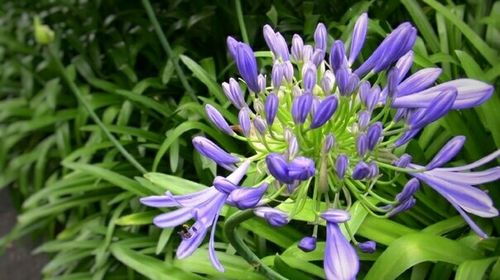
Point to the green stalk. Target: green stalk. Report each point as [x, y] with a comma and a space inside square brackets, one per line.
[230, 230]
[241, 22]
[168, 49]
[91, 112]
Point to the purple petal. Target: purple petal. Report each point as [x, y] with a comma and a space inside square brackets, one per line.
[173, 218]
[301, 168]
[475, 164]
[211, 244]
[189, 245]
[340, 261]
[236, 176]
[469, 221]
[325, 111]
[471, 199]
[159, 201]
[470, 93]
[469, 178]
[210, 150]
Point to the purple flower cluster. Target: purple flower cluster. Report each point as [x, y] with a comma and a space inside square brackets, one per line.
[327, 121]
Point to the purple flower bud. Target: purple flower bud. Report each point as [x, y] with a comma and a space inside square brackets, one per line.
[288, 71]
[407, 204]
[270, 38]
[395, 45]
[274, 217]
[293, 146]
[314, 106]
[301, 168]
[320, 37]
[374, 133]
[403, 161]
[288, 134]
[400, 114]
[358, 37]
[363, 119]
[278, 167]
[327, 82]
[410, 188]
[336, 216]
[277, 75]
[296, 91]
[244, 120]
[341, 165]
[392, 82]
[440, 106]
[447, 152]
[307, 244]
[245, 198]
[419, 81]
[231, 46]
[282, 47]
[337, 56]
[210, 150]
[368, 247]
[309, 76]
[470, 93]
[364, 92]
[297, 48]
[328, 143]
[342, 79]
[401, 44]
[301, 107]
[217, 119]
[247, 66]
[406, 137]
[271, 108]
[233, 92]
[362, 145]
[361, 171]
[307, 53]
[374, 171]
[223, 185]
[260, 125]
[318, 57]
[404, 65]
[373, 98]
[261, 81]
[324, 111]
[352, 84]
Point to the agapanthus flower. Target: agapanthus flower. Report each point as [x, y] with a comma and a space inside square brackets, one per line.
[322, 119]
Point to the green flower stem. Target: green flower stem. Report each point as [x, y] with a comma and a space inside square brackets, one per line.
[405, 170]
[91, 112]
[168, 49]
[241, 22]
[230, 230]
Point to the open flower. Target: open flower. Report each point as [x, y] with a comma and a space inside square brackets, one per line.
[203, 206]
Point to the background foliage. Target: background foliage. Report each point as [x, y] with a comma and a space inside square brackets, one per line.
[75, 188]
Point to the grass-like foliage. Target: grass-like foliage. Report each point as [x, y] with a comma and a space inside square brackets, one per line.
[98, 118]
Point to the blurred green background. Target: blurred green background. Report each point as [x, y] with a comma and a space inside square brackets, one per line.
[75, 190]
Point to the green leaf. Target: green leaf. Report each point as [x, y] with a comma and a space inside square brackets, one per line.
[204, 77]
[149, 266]
[135, 219]
[474, 269]
[488, 53]
[413, 249]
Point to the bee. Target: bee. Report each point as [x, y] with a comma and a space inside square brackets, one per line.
[187, 231]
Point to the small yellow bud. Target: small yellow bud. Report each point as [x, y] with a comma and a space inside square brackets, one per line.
[43, 34]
